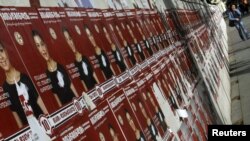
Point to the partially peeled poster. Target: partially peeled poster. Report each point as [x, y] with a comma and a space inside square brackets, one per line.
[155, 88]
[155, 105]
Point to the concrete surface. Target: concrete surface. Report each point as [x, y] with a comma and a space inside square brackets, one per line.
[239, 56]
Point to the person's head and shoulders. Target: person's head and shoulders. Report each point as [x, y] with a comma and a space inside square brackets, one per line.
[139, 135]
[42, 48]
[71, 44]
[113, 133]
[12, 74]
[21, 90]
[233, 8]
[55, 71]
[92, 40]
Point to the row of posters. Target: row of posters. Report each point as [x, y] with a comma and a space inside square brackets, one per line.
[90, 74]
[210, 59]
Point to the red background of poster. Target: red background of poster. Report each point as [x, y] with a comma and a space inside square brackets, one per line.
[101, 118]
[119, 112]
[8, 124]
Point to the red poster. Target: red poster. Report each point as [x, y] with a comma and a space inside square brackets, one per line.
[158, 29]
[84, 131]
[144, 33]
[135, 31]
[165, 101]
[51, 71]
[140, 108]
[86, 44]
[103, 39]
[109, 28]
[169, 19]
[21, 103]
[164, 32]
[126, 38]
[148, 95]
[160, 71]
[149, 29]
[105, 123]
[126, 117]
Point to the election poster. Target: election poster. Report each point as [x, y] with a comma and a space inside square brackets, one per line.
[136, 32]
[52, 75]
[104, 40]
[70, 32]
[125, 115]
[154, 112]
[21, 101]
[157, 33]
[155, 88]
[108, 21]
[161, 29]
[105, 123]
[145, 34]
[148, 28]
[126, 38]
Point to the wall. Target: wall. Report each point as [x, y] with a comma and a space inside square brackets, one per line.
[24, 3]
[48, 3]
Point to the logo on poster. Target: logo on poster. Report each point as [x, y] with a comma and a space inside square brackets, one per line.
[44, 122]
[19, 38]
[78, 106]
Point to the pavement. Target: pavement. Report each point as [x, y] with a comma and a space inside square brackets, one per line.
[239, 62]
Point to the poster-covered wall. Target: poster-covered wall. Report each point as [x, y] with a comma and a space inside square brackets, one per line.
[91, 74]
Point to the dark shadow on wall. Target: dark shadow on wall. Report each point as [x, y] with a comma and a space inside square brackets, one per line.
[240, 71]
[232, 44]
[238, 50]
[238, 65]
